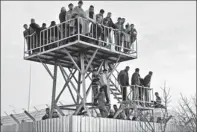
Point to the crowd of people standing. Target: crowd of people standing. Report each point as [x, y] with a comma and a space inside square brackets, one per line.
[96, 29]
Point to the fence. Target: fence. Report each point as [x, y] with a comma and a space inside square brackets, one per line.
[85, 124]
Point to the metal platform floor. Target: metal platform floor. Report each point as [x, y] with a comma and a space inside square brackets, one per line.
[76, 47]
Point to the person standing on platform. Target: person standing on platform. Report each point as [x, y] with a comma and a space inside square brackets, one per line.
[127, 39]
[27, 38]
[104, 83]
[135, 80]
[35, 40]
[107, 21]
[70, 25]
[43, 35]
[62, 15]
[102, 102]
[101, 13]
[123, 79]
[78, 13]
[146, 83]
[133, 33]
[96, 30]
[62, 18]
[122, 35]
[95, 85]
[117, 34]
[91, 15]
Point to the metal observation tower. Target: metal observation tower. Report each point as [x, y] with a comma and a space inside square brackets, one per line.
[76, 52]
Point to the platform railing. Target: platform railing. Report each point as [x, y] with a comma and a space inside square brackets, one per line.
[140, 95]
[83, 30]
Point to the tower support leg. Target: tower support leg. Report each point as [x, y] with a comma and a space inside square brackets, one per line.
[83, 81]
[53, 102]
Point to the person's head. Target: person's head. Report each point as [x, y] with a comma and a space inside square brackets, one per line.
[104, 71]
[156, 94]
[63, 9]
[25, 26]
[98, 115]
[102, 11]
[127, 68]
[115, 107]
[119, 19]
[127, 26]
[44, 25]
[47, 110]
[32, 20]
[53, 23]
[137, 70]
[55, 113]
[132, 25]
[80, 3]
[123, 20]
[91, 9]
[101, 90]
[70, 6]
[111, 112]
[150, 73]
[94, 71]
[109, 14]
[99, 18]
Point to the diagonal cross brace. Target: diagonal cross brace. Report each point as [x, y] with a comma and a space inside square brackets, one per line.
[64, 73]
[71, 58]
[66, 83]
[46, 67]
[87, 92]
[114, 66]
[89, 63]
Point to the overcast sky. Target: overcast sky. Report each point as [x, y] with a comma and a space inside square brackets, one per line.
[166, 39]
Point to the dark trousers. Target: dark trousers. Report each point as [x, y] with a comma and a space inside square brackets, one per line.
[126, 45]
[105, 91]
[118, 41]
[95, 92]
[124, 93]
[96, 33]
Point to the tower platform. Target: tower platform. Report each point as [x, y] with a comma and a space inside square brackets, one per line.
[74, 48]
[58, 39]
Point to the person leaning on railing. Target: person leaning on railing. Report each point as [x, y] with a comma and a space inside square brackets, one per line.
[135, 81]
[146, 83]
[43, 36]
[70, 24]
[96, 30]
[91, 15]
[53, 35]
[62, 18]
[127, 39]
[133, 33]
[77, 13]
[123, 79]
[117, 34]
[107, 21]
[36, 28]
[122, 35]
